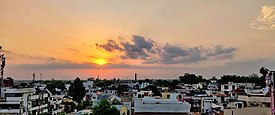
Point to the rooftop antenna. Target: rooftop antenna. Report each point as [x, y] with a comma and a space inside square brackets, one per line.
[3, 64]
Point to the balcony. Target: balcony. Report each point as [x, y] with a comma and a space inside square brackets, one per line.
[2, 99]
[10, 111]
[13, 99]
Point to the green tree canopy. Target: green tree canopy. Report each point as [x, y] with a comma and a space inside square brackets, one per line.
[77, 90]
[105, 108]
[122, 88]
[253, 78]
[154, 90]
[51, 85]
[191, 79]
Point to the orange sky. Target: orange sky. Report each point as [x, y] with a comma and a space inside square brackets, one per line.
[154, 38]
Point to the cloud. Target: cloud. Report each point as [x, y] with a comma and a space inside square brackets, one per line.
[72, 65]
[72, 49]
[222, 53]
[140, 48]
[137, 48]
[147, 50]
[266, 19]
[177, 55]
[110, 46]
[6, 52]
[54, 65]
[13, 55]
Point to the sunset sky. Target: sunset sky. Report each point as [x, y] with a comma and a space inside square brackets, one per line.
[64, 39]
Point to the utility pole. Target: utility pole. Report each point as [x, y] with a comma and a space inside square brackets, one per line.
[3, 64]
[269, 80]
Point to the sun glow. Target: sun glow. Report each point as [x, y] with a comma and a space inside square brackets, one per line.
[100, 61]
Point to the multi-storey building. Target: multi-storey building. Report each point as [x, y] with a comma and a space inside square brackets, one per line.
[23, 101]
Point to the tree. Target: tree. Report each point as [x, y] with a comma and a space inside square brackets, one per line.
[91, 79]
[253, 78]
[69, 107]
[122, 88]
[173, 85]
[191, 79]
[51, 85]
[154, 90]
[105, 108]
[77, 90]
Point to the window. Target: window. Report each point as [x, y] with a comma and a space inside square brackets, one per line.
[168, 96]
[225, 86]
[179, 97]
[13, 94]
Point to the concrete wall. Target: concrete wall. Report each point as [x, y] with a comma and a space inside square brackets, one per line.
[248, 111]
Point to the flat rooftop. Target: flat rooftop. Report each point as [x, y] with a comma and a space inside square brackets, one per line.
[161, 108]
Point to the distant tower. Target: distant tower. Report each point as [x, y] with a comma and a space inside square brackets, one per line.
[135, 76]
[41, 77]
[33, 78]
[3, 64]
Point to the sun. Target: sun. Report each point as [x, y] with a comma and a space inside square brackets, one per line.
[100, 61]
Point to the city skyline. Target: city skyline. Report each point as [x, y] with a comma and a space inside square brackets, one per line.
[156, 39]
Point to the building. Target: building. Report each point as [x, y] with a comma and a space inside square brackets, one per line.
[90, 89]
[143, 85]
[142, 94]
[55, 104]
[98, 97]
[227, 88]
[8, 82]
[157, 106]
[255, 100]
[23, 101]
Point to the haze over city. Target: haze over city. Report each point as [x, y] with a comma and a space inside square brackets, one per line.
[156, 39]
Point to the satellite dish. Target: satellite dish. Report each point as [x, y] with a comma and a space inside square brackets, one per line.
[266, 90]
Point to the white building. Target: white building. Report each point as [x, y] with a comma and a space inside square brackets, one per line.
[90, 90]
[97, 98]
[142, 94]
[152, 105]
[213, 86]
[55, 104]
[227, 88]
[143, 85]
[23, 101]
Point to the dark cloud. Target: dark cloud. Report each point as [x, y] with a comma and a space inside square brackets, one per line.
[141, 42]
[150, 52]
[140, 48]
[177, 55]
[110, 46]
[172, 52]
[132, 51]
[222, 53]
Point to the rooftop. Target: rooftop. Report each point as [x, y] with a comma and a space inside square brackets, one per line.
[161, 108]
